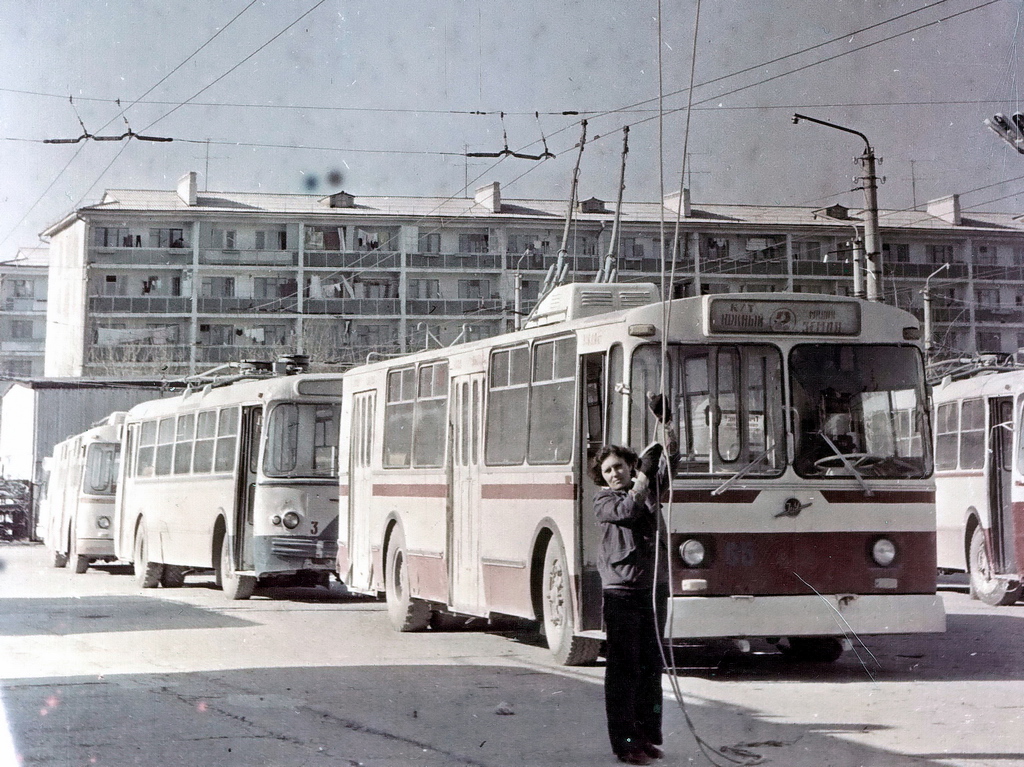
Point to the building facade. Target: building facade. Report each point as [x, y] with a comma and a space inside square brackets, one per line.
[23, 293]
[173, 282]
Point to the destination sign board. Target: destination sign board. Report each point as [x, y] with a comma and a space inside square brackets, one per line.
[811, 318]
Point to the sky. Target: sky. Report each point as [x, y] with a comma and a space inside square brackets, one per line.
[384, 97]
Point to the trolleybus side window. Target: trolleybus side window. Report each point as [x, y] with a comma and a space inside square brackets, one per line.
[972, 434]
[946, 436]
[183, 443]
[147, 449]
[227, 430]
[206, 433]
[164, 446]
[616, 395]
[728, 415]
[301, 440]
[551, 401]
[429, 415]
[507, 401]
[398, 415]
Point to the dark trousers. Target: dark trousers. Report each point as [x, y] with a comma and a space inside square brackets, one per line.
[632, 677]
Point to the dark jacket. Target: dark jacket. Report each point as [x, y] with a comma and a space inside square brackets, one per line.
[628, 529]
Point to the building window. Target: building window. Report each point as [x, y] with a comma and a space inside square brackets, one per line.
[111, 236]
[376, 289]
[261, 240]
[716, 248]
[424, 289]
[430, 243]
[18, 367]
[632, 249]
[218, 287]
[374, 335]
[474, 289]
[473, 243]
[23, 288]
[269, 335]
[166, 238]
[939, 254]
[274, 287]
[217, 335]
[21, 329]
[985, 254]
[985, 297]
[113, 285]
[989, 342]
[898, 253]
[806, 250]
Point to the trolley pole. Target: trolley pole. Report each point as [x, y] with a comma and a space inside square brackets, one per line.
[926, 295]
[869, 182]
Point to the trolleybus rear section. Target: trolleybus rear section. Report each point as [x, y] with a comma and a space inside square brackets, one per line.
[802, 507]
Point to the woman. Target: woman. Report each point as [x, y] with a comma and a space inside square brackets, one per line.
[635, 580]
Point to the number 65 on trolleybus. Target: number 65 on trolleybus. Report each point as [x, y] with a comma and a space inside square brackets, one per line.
[240, 477]
[802, 510]
[979, 478]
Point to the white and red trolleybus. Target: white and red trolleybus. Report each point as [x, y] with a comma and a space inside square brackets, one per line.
[239, 477]
[78, 507]
[803, 508]
[979, 482]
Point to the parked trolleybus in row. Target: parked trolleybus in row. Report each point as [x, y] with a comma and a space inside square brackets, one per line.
[78, 507]
[239, 476]
[802, 510]
[979, 478]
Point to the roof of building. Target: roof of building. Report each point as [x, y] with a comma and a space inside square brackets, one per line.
[313, 206]
[38, 257]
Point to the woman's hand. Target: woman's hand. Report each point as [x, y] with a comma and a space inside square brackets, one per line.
[640, 485]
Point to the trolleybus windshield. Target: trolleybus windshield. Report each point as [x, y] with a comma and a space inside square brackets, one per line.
[302, 440]
[859, 410]
[100, 476]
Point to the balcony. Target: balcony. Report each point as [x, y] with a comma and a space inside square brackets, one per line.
[19, 305]
[461, 307]
[922, 271]
[23, 346]
[352, 306]
[137, 352]
[141, 256]
[229, 305]
[344, 259]
[456, 261]
[248, 257]
[139, 304]
[999, 314]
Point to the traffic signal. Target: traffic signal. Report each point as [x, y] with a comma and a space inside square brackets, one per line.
[1009, 130]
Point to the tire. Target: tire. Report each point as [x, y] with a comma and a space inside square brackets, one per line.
[406, 612]
[60, 559]
[80, 562]
[147, 574]
[558, 612]
[173, 577]
[235, 585]
[814, 649]
[990, 590]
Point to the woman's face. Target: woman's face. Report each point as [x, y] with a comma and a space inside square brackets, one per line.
[616, 472]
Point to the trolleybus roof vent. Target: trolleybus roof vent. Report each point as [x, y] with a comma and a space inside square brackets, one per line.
[575, 300]
[290, 364]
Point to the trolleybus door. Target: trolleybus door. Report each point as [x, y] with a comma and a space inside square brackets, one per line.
[359, 569]
[466, 592]
[588, 533]
[248, 456]
[1004, 554]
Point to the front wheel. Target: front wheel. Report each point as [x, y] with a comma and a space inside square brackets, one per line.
[60, 559]
[147, 574]
[406, 612]
[559, 616]
[984, 585]
[80, 562]
[235, 585]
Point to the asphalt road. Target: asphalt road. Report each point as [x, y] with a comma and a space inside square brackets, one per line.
[94, 671]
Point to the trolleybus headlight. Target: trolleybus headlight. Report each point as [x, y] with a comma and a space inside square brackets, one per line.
[291, 520]
[883, 551]
[275, 520]
[692, 552]
[103, 523]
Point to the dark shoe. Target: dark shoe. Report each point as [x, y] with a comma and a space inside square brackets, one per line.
[635, 757]
[653, 751]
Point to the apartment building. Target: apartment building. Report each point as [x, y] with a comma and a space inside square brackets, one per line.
[180, 281]
[23, 288]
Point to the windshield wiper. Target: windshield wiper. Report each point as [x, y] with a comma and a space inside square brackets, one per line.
[846, 462]
[741, 473]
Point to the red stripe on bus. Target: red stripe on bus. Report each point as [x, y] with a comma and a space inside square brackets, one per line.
[410, 491]
[705, 496]
[552, 492]
[879, 496]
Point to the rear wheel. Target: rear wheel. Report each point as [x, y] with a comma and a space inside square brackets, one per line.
[235, 585]
[559, 615]
[80, 562]
[173, 577]
[406, 612]
[60, 559]
[984, 585]
[147, 573]
[814, 649]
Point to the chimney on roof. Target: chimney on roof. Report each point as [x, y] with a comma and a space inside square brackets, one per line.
[341, 200]
[671, 202]
[490, 197]
[593, 205]
[946, 208]
[187, 188]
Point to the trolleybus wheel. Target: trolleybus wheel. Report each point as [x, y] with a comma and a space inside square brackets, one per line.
[559, 621]
[235, 585]
[173, 577]
[814, 649]
[406, 612]
[986, 587]
[147, 573]
[60, 559]
[80, 561]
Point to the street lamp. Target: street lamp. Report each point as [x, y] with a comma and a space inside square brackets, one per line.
[927, 296]
[872, 248]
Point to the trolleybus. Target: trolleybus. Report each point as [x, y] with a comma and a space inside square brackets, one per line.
[240, 477]
[979, 481]
[802, 510]
[78, 508]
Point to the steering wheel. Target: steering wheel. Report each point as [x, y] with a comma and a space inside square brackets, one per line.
[855, 460]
